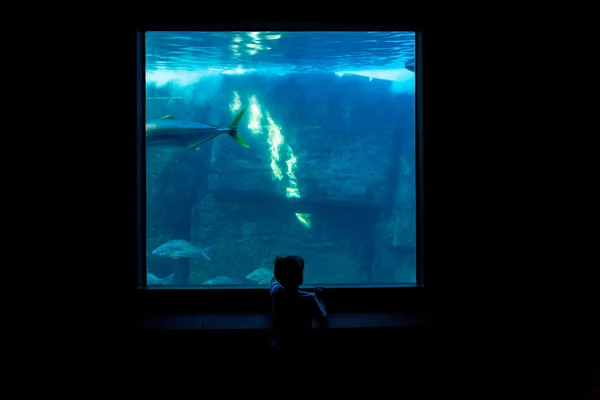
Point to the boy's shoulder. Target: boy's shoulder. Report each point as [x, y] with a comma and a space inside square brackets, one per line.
[276, 289]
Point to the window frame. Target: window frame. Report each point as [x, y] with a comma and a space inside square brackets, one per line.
[340, 298]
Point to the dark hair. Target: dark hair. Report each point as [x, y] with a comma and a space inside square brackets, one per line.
[289, 271]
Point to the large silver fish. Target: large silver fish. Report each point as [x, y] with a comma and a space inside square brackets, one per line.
[181, 249]
[152, 279]
[262, 276]
[169, 132]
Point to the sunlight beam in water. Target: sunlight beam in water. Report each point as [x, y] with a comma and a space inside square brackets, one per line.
[275, 139]
[236, 104]
[292, 189]
[255, 116]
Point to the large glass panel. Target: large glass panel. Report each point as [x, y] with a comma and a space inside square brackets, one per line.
[264, 144]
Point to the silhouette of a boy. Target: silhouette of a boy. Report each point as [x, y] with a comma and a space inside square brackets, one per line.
[293, 310]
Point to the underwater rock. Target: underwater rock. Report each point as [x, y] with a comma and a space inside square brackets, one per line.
[395, 234]
[335, 248]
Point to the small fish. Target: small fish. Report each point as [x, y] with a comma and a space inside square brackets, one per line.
[304, 219]
[171, 133]
[261, 275]
[151, 279]
[177, 249]
[222, 280]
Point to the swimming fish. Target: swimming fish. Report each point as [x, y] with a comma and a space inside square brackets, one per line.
[181, 249]
[222, 280]
[151, 279]
[261, 275]
[168, 132]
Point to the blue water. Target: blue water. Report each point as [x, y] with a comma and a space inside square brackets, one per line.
[330, 171]
[303, 51]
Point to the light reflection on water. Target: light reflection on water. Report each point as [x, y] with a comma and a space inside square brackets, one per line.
[283, 51]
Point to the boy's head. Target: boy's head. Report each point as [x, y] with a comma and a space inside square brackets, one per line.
[289, 271]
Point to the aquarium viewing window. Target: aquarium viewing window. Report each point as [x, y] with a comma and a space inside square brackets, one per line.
[264, 144]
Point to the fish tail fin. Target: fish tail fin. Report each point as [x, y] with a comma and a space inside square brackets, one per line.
[169, 279]
[233, 128]
[206, 253]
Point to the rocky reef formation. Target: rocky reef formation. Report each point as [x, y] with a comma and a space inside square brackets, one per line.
[329, 175]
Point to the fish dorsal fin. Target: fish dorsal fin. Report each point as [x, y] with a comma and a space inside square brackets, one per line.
[167, 117]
